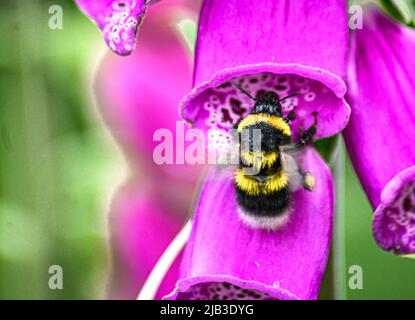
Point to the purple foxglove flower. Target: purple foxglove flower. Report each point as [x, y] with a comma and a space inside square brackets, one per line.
[272, 45]
[138, 95]
[224, 259]
[119, 20]
[141, 228]
[285, 48]
[380, 137]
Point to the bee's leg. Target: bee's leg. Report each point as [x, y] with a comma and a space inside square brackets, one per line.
[306, 138]
[307, 135]
[290, 116]
[297, 178]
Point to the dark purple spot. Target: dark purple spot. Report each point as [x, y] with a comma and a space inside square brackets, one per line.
[254, 80]
[226, 117]
[282, 79]
[225, 85]
[407, 204]
[251, 293]
[260, 93]
[236, 106]
[280, 87]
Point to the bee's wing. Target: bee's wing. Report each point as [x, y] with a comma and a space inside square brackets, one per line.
[293, 172]
[291, 149]
[228, 169]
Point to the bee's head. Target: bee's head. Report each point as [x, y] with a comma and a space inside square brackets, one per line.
[268, 97]
[268, 102]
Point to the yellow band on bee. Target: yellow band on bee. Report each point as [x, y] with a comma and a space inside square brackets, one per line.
[260, 159]
[274, 121]
[253, 187]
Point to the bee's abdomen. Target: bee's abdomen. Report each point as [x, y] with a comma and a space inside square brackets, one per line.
[269, 205]
[265, 194]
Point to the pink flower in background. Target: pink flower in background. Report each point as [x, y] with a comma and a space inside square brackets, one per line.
[141, 228]
[380, 137]
[137, 96]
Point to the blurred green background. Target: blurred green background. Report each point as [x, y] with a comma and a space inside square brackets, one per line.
[56, 164]
[58, 167]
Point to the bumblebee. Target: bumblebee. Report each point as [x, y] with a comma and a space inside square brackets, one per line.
[268, 173]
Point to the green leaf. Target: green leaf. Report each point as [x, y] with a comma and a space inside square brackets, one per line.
[401, 10]
[328, 148]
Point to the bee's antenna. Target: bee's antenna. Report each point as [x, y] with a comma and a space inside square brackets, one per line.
[244, 91]
[289, 96]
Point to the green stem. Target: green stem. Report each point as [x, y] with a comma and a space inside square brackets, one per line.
[339, 241]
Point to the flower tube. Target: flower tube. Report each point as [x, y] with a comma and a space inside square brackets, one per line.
[380, 137]
[280, 47]
[274, 45]
[137, 96]
[224, 259]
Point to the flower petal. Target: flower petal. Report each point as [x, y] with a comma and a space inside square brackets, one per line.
[380, 137]
[139, 95]
[141, 229]
[225, 259]
[118, 19]
[272, 45]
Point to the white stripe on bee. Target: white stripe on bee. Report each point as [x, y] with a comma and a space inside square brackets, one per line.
[266, 223]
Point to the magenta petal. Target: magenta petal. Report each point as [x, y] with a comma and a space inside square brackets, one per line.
[247, 263]
[381, 135]
[141, 230]
[118, 19]
[139, 95]
[272, 45]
